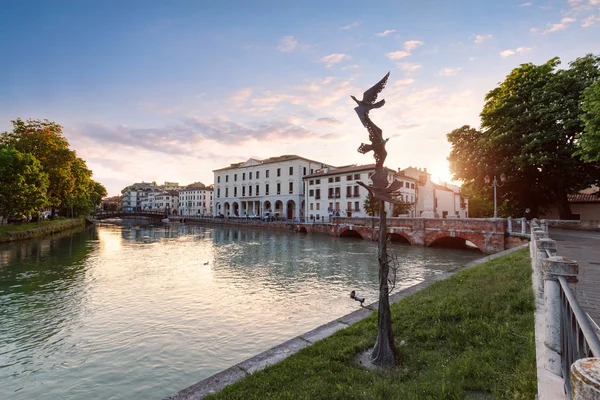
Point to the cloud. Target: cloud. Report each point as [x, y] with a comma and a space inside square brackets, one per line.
[510, 52]
[412, 44]
[408, 127]
[240, 97]
[327, 121]
[405, 81]
[591, 20]
[395, 55]
[334, 58]
[564, 24]
[350, 26]
[449, 71]
[482, 38]
[533, 30]
[529, 4]
[288, 43]
[386, 32]
[406, 66]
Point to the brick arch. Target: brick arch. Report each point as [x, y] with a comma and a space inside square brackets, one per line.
[403, 237]
[347, 232]
[430, 239]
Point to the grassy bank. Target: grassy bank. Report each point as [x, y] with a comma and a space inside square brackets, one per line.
[470, 336]
[9, 233]
[29, 226]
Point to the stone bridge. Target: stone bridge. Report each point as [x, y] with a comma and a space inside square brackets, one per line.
[487, 234]
[129, 214]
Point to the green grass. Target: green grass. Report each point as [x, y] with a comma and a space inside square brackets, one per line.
[469, 336]
[32, 225]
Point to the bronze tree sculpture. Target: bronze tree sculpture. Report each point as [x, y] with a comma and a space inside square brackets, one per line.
[384, 353]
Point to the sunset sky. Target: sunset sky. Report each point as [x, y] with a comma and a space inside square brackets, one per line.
[170, 91]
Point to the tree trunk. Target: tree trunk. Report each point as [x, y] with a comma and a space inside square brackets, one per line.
[564, 209]
[384, 353]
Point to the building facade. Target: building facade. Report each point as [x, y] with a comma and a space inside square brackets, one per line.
[196, 200]
[270, 187]
[133, 196]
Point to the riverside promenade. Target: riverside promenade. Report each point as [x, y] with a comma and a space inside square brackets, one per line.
[583, 247]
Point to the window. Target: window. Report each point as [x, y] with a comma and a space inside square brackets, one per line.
[317, 181]
[219, 192]
[226, 178]
[312, 171]
[349, 206]
[356, 206]
[267, 188]
[218, 179]
[356, 189]
[330, 193]
[311, 206]
[311, 192]
[235, 191]
[250, 175]
[278, 171]
[249, 190]
[226, 192]
[235, 177]
[318, 206]
[243, 176]
[348, 191]
[257, 174]
[318, 194]
[279, 188]
[330, 208]
[330, 180]
[291, 171]
[257, 192]
[412, 185]
[348, 177]
[337, 206]
[304, 171]
[337, 178]
[311, 182]
[356, 176]
[291, 189]
[267, 173]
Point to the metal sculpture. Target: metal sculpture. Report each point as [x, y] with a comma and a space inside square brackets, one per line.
[384, 353]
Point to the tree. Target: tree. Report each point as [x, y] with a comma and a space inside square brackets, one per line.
[23, 183]
[371, 205]
[589, 141]
[529, 127]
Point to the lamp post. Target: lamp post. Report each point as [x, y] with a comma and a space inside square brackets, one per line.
[495, 184]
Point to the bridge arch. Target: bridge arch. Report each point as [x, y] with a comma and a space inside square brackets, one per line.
[398, 237]
[457, 239]
[348, 232]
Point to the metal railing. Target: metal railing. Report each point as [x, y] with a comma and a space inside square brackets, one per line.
[577, 336]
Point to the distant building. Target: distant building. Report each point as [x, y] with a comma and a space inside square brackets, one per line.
[133, 196]
[196, 199]
[272, 186]
[333, 191]
[585, 205]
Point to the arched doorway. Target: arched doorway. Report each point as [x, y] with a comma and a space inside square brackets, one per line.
[291, 209]
[278, 209]
[235, 210]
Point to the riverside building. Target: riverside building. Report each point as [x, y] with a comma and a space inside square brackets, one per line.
[270, 187]
[196, 199]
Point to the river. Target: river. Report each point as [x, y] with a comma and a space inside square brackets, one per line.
[129, 310]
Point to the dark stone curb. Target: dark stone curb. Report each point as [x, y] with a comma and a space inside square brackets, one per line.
[259, 362]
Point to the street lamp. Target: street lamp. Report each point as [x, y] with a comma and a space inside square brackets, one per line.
[495, 184]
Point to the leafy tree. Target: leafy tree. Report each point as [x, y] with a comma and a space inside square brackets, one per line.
[371, 205]
[529, 127]
[589, 141]
[45, 141]
[401, 207]
[23, 183]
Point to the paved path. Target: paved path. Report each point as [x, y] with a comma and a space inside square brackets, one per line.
[584, 247]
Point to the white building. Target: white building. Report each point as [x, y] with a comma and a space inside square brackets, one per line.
[435, 200]
[272, 186]
[167, 201]
[133, 196]
[334, 191]
[196, 199]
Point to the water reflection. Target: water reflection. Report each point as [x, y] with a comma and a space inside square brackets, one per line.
[130, 307]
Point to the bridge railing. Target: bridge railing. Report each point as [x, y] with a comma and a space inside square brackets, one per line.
[568, 347]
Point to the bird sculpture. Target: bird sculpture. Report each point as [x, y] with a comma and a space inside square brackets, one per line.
[368, 101]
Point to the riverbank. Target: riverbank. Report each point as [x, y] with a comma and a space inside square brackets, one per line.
[471, 335]
[11, 233]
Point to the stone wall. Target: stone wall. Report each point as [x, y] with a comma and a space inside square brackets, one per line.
[42, 231]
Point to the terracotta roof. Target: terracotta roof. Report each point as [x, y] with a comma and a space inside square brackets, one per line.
[442, 187]
[583, 198]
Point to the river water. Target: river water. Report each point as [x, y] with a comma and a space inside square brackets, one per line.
[131, 310]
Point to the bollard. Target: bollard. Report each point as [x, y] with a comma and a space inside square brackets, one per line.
[585, 379]
[544, 225]
[552, 268]
[523, 225]
[542, 245]
[509, 221]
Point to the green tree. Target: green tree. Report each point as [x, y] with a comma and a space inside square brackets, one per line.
[371, 205]
[589, 141]
[45, 141]
[530, 123]
[23, 183]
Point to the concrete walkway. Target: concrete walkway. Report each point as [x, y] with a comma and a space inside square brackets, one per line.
[584, 247]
